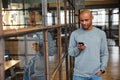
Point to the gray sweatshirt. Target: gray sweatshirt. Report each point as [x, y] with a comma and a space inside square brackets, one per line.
[95, 57]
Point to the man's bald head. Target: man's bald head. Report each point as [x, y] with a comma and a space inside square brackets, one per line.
[86, 11]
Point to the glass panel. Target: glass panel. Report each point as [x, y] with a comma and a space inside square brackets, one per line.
[115, 16]
[21, 14]
[29, 51]
[13, 20]
[53, 57]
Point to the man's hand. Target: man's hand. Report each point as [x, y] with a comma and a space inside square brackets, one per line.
[99, 73]
[81, 46]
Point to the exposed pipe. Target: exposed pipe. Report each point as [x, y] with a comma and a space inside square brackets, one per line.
[45, 35]
[59, 43]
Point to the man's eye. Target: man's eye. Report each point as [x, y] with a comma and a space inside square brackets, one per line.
[86, 19]
[81, 21]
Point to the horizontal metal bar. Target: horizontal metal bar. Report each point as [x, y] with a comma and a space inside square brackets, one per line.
[24, 31]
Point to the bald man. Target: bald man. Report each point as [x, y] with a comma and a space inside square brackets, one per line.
[88, 45]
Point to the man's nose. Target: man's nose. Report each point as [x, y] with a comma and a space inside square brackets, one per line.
[84, 22]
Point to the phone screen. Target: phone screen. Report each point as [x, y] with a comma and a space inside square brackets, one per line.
[81, 43]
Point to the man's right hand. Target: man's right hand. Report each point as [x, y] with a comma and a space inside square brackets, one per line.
[81, 47]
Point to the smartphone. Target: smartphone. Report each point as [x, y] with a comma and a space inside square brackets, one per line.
[81, 43]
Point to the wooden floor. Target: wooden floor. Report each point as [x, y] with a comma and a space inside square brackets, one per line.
[113, 68]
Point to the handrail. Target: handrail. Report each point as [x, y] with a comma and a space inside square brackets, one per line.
[14, 32]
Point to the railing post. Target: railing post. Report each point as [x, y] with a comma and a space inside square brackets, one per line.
[45, 32]
[66, 41]
[59, 39]
[1, 46]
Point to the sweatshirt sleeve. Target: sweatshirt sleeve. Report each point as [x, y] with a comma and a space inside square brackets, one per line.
[72, 49]
[103, 52]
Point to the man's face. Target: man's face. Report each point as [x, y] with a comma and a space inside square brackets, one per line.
[86, 21]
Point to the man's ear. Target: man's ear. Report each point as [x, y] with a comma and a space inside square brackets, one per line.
[92, 17]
